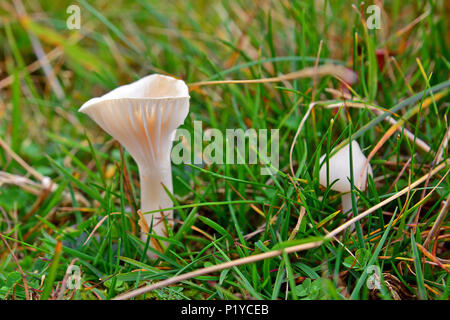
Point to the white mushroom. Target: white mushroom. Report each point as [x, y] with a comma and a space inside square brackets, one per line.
[339, 169]
[143, 117]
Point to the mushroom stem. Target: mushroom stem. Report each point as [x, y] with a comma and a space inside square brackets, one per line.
[347, 203]
[347, 207]
[154, 197]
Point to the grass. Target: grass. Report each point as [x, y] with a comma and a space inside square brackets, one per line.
[239, 234]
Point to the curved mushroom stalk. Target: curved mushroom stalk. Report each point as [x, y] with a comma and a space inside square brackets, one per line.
[339, 171]
[143, 117]
[347, 203]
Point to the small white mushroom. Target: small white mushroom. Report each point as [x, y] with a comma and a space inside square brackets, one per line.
[339, 169]
[143, 117]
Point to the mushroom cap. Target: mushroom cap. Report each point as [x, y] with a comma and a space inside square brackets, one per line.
[155, 86]
[142, 115]
[339, 169]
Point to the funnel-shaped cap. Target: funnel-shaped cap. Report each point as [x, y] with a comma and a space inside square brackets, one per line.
[143, 116]
[339, 169]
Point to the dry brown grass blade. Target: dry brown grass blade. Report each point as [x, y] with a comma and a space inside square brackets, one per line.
[393, 197]
[443, 146]
[378, 111]
[20, 161]
[297, 226]
[66, 276]
[258, 211]
[142, 222]
[427, 102]
[46, 182]
[37, 204]
[340, 72]
[405, 259]
[20, 181]
[437, 224]
[215, 268]
[404, 208]
[435, 160]
[40, 54]
[310, 108]
[203, 233]
[431, 257]
[98, 226]
[146, 229]
[301, 214]
[294, 141]
[52, 55]
[40, 224]
[411, 25]
[399, 175]
[262, 227]
[197, 229]
[274, 253]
